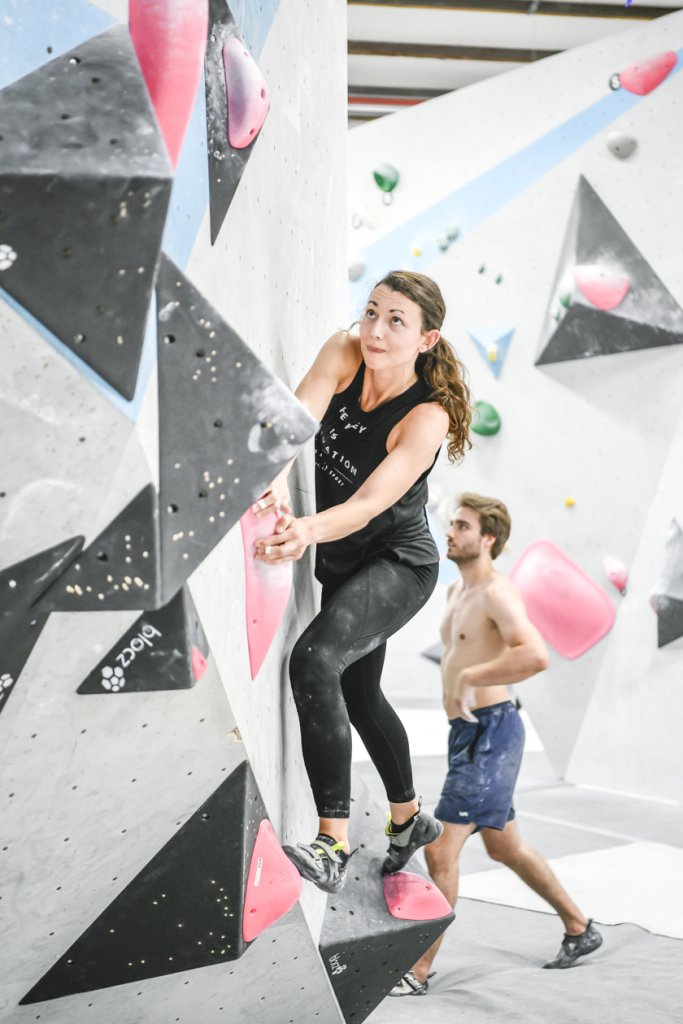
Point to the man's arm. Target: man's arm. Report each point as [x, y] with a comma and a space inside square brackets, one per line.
[526, 652]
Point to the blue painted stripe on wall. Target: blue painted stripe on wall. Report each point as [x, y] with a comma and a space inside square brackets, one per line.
[472, 204]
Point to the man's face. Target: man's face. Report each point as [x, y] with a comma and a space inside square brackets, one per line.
[465, 540]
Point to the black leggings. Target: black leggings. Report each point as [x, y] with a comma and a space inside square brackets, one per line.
[335, 669]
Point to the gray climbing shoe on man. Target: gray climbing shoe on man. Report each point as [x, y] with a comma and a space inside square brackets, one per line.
[409, 985]
[322, 862]
[405, 839]
[574, 946]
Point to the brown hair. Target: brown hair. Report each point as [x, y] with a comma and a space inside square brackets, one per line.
[494, 518]
[440, 368]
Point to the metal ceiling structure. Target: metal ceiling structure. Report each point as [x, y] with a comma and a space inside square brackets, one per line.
[402, 52]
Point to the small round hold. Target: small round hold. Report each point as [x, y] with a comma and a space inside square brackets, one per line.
[570, 502]
[386, 177]
[416, 250]
[452, 234]
[486, 419]
[499, 278]
[482, 268]
[621, 145]
[615, 82]
[443, 243]
[356, 271]
[387, 198]
[492, 353]
[356, 221]
[565, 300]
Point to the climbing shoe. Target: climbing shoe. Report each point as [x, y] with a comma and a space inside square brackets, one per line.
[574, 946]
[322, 862]
[404, 840]
[409, 985]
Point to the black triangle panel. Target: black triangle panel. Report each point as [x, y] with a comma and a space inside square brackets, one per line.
[119, 570]
[181, 912]
[156, 653]
[20, 626]
[84, 187]
[584, 333]
[669, 619]
[364, 948]
[227, 426]
[226, 164]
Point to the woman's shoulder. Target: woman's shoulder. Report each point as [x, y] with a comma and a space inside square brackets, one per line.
[344, 349]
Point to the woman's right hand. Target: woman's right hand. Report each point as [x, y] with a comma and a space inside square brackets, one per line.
[274, 499]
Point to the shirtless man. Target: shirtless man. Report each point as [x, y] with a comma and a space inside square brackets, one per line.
[489, 642]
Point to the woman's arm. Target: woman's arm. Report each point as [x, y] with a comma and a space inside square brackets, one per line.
[422, 432]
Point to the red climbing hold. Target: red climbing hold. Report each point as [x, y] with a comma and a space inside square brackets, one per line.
[414, 898]
[198, 664]
[169, 37]
[267, 589]
[248, 101]
[646, 75]
[604, 287]
[273, 885]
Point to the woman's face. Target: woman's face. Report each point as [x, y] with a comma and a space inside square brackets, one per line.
[391, 332]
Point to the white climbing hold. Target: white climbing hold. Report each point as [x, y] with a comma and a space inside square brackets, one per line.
[621, 145]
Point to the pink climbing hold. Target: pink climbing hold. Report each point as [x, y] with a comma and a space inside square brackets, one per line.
[169, 37]
[644, 76]
[273, 885]
[617, 573]
[604, 287]
[568, 607]
[198, 664]
[414, 898]
[267, 589]
[248, 100]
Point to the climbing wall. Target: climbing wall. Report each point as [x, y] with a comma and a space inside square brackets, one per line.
[163, 284]
[543, 202]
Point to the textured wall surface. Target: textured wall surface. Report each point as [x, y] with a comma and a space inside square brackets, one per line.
[502, 162]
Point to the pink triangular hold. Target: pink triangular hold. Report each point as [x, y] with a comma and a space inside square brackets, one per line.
[169, 37]
[414, 898]
[273, 885]
[198, 664]
[267, 589]
[604, 287]
[646, 75]
[248, 101]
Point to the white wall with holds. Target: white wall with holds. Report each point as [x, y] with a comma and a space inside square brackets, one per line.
[588, 455]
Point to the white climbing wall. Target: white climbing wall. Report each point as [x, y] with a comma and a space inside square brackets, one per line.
[501, 160]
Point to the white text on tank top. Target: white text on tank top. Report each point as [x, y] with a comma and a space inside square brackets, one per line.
[338, 465]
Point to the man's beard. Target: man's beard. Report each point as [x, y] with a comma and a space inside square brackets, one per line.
[464, 558]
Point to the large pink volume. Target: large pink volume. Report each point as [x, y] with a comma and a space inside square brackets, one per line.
[248, 101]
[169, 37]
[413, 898]
[273, 885]
[568, 607]
[267, 589]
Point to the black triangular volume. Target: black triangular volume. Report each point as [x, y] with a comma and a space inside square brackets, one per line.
[118, 570]
[163, 650]
[227, 426]
[20, 626]
[584, 333]
[669, 619]
[364, 948]
[181, 912]
[226, 164]
[84, 188]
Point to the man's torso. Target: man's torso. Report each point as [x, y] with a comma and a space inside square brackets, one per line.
[470, 638]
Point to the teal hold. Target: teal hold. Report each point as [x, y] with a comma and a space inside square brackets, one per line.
[485, 419]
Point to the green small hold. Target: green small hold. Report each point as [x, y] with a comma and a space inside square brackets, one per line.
[482, 268]
[443, 244]
[386, 177]
[452, 234]
[485, 419]
[499, 278]
[565, 299]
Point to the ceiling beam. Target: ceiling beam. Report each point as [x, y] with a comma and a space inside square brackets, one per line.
[635, 12]
[434, 50]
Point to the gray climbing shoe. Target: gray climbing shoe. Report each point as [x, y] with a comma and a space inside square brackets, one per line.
[574, 946]
[322, 862]
[409, 985]
[424, 829]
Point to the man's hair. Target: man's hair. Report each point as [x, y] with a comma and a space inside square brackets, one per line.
[494, 517]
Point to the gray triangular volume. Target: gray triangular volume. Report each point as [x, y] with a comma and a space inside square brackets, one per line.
[163, 650]
[84, 187]
[20, 625]
[226, 164]
[583, 333]
[434, 653]
[181, 912]
[118, 570]
[227, 426]
[669, 619]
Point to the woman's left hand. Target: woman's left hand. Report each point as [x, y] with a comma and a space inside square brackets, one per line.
[287, 545]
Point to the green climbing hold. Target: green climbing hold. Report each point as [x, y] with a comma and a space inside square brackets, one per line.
[565, 299]
[443, 243]
[482, 268]
[452, 234]
[499, 278]
[386, 177]
[485, 419]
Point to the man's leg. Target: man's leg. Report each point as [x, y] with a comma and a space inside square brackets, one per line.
[508, 848]
[443, 864]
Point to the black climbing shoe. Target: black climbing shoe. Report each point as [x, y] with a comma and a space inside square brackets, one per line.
[409, 985]
[574, 946]
[423, 829]
[322, 862]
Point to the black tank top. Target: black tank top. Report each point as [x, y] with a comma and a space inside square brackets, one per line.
[349, 445]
